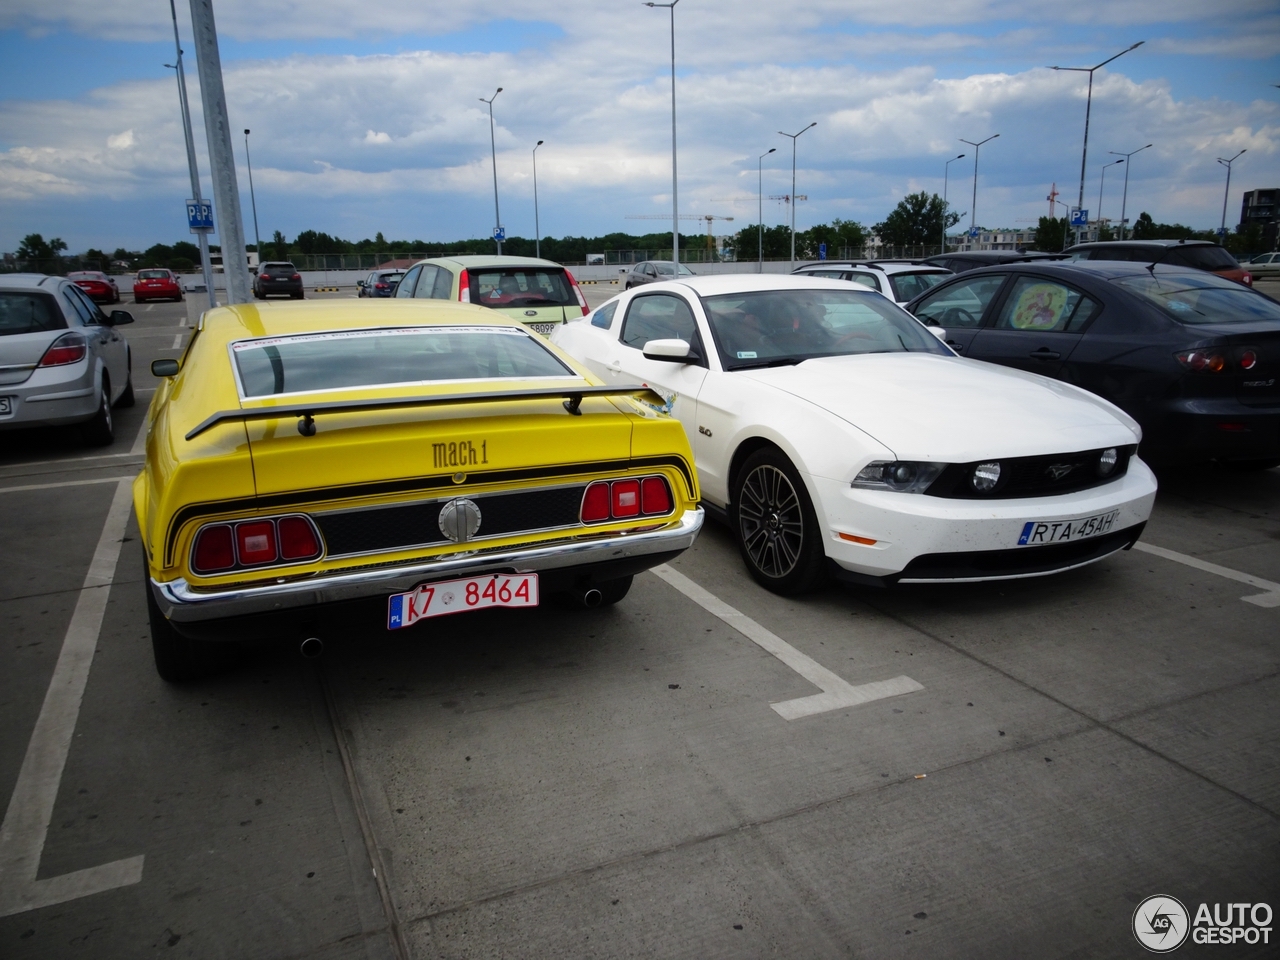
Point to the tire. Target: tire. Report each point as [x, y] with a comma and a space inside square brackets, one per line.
[611, 591]
[297, 296]
[137, 300]
[177, 658]
[100, 431]
[776, 526]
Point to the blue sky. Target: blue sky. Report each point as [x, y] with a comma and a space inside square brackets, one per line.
[367, 119]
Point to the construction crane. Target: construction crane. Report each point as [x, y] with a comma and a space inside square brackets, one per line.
[711, 244]
[786, 197]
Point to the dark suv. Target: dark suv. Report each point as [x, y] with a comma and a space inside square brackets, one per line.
[1197, 254]
[278, 279]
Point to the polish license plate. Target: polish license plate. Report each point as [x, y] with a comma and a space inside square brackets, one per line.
[1040, 532]
[6, 406]
[546, 329]
[459, 596]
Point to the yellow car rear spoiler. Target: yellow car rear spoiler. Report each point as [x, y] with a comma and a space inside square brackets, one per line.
[307, 412]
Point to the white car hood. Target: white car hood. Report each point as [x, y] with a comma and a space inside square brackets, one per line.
[926, 407]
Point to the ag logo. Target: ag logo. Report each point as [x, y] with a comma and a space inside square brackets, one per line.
[1161, 923]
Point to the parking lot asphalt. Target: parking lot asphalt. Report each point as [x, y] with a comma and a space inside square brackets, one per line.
[625, 782]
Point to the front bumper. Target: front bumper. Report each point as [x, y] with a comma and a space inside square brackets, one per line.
[618, 554]
[912, 527]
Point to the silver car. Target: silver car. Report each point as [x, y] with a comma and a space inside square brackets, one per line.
[651, 271]
[61, 359]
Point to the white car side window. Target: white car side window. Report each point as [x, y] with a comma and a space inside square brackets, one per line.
[603, 317]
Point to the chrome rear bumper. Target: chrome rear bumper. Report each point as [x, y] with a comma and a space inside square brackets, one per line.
[180, 602]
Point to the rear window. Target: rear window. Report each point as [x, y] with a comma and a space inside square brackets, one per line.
[1203, 299]
[28, 313]
[521, 287]
[1202, 258]
[288, 268]
[153, 274]
[908, 286]
[399, 356]
[390, 277]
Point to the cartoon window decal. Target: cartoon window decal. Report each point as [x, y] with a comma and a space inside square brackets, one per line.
[1039, 306]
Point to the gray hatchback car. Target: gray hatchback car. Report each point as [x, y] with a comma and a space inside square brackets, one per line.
[61, 359]
[652, 271]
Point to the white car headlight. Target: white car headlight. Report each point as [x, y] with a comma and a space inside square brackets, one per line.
[904, 476]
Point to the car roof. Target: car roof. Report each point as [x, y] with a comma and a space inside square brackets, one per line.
[996, 256]
[478, 260]
[1104, 269]
[1138, 244]
[714, 284]
[245, 321]
[28, 281]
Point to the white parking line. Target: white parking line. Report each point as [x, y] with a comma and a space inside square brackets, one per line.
[26, 822]
[64, 483]
[1269, 599]
[148, 308]
[836, 691]
[177, 341]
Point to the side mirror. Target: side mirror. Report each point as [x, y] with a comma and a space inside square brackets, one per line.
[164, 368]
[117, 317]
[359, 283]
[672, 351]
[939, 332]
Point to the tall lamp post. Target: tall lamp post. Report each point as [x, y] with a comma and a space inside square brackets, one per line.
[946, 169]
[206, 268]
[675, 206]
[1222, 230]
[493, 151]
[973, 210]
[760, 198]
[1125, 198]
[794, 137]
[537, 230]
[1102, 185]
[257, 240]
[1088, 104]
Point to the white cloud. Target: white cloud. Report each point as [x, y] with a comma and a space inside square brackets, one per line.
[380, 137]
[121, 141]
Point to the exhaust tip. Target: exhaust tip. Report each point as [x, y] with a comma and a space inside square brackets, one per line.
[591, 597]
[311, 647]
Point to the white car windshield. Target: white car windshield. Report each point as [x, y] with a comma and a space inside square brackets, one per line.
[778, 327]
[351, 359]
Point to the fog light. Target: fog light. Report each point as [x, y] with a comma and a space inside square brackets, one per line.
[986, 476]
[1107, 461]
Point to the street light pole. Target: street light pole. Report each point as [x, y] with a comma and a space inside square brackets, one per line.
[794, 137]
[1100, 189]
[973, 210]
[675, 206]
[1222, 230]
[760, 198]
[946, 169]
[1125, 198]
[537, 230]
[493, 151]
[1088, 104]
[206, 268]
[222, 161]
[257, 240]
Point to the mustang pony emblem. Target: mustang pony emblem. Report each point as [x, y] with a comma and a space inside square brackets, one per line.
[1059, 470]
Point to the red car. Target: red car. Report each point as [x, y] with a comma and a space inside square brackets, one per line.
[156, 284]
[100, 287]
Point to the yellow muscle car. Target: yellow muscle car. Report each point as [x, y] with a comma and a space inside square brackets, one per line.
[433, 454]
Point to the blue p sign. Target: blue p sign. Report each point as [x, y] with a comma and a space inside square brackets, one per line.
[199, 215]
[822, 251]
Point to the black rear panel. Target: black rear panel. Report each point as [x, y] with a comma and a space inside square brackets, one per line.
[417, 524]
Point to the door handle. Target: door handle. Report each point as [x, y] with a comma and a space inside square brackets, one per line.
[957, 347]
[615, 366]
[1044, 353]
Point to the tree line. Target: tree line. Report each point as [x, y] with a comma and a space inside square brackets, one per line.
[919, 219]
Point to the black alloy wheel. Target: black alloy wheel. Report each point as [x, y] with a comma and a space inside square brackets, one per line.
[776, 526]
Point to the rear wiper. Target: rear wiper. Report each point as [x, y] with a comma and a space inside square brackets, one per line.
[776, 362]
[525, 301]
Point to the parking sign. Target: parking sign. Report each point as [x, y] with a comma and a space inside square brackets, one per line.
[200, 216]
[499, 233]
[1079, 217]
[822, 251]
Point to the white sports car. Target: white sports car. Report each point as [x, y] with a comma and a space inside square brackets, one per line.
[837, 436]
